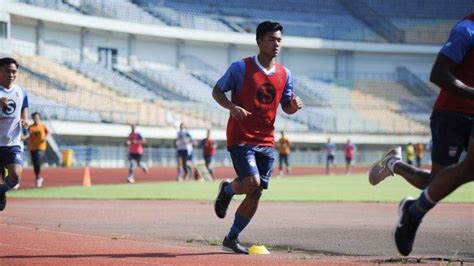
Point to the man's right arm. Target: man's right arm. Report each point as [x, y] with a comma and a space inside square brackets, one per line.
[442, 75]
[459, 43]
[237, 112]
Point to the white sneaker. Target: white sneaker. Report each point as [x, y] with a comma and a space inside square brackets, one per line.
[17, 186]
[131, 179]
[379, 170]
[145, 168]
[39, 182]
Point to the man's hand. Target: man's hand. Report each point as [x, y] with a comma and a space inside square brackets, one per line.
[239, 113]
[293, 105]
[3, 102]
[297, 103]
[24, 123]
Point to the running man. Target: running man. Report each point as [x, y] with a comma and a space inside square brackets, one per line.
[37, 134]
[419, 154]
[13, 117]
[258, 85]
[349, 150]
[135, 143]
[209, 151]
[330, 153]
[452, 131]
[184, 152]
[410, 152]
[284, 148]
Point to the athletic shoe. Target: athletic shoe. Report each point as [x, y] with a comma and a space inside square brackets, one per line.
[379, 170]
[3, 201]
[222, 200]
[17, 186]
[233, 245]
[131, 179]
[405, 231]
[145, 168]
[39, 182]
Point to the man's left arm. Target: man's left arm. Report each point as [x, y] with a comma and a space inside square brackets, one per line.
[24, 112]
[290, 103]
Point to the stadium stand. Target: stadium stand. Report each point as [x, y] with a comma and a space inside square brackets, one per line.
[355, 20]
[113, 80]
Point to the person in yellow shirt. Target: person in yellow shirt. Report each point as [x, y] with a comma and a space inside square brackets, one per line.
[37, 134]
[284, 146]
[410, 153]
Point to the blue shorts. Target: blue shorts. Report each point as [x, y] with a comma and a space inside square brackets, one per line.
[451, 132]
[251, 160]
[11, 155]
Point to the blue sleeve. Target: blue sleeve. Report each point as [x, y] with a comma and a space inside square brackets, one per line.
[140, 136]
[288, 91]
[233, 79]
[459, 42]
[189, 136]
[25, 100]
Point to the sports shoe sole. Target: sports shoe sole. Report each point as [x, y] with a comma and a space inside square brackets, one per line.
[400, 215]
[219, 192]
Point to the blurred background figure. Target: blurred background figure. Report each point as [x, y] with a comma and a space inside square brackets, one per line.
[349, 150]
[419, 153]
[209, 151]
[284, 148]
[410, 152]
[37, 145]
[184, 150]
[135, 144]
[330, 153]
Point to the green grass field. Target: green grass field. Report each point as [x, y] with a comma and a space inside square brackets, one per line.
[352, 188]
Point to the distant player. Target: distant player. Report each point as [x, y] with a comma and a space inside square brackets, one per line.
[349, 150]
[330, 154]
[135, 143]
[258, 85]
[13, 116]
[284, 148]
[209, 151]
[410, 152]
[419, 154]
[184, 152]
[37, 134]
[452, 126]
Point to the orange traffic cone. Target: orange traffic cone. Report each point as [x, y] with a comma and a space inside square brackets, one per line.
[86, 178]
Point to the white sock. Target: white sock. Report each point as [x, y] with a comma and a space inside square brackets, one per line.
[392, 162]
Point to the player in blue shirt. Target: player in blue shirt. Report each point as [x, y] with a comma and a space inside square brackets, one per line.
[452, 129]
[13, 117]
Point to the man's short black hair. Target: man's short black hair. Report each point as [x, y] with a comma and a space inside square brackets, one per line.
[268, 26]
[7, 61]
[35, 113]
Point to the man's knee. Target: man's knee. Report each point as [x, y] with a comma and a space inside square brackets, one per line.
[256, 194]
[467, 169]
[251, 184]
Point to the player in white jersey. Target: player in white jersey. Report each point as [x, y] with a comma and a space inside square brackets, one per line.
[13, 116]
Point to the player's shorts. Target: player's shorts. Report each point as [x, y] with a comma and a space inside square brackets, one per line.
[11, 155]
[182, 154]
[330, 158]
[451, 132]
[251, 160]
[348, 159]
[135, 156]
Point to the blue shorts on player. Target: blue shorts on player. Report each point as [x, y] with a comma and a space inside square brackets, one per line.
[11, 155]
[251, 160]
[451, 132]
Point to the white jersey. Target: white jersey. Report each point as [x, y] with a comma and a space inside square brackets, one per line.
[183, 141]
[10, 127]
